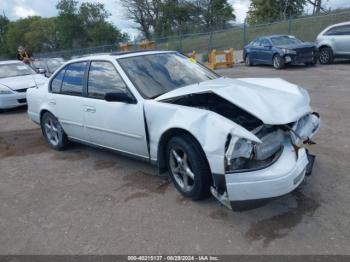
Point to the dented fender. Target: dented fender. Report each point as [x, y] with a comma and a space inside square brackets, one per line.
[210, 129]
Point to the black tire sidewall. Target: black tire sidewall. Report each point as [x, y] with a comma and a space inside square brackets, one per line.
[199, 166]
[245, 60]
[281, 61]
[63, 141]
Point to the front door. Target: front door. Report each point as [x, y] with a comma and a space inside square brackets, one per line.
[116, 125]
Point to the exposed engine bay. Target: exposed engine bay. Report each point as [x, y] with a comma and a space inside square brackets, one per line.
[242, 154]
[215, 103]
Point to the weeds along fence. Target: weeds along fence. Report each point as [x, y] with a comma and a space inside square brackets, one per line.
[306, 28]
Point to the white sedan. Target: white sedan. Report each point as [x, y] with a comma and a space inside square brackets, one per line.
[238, 139]
[15, 78]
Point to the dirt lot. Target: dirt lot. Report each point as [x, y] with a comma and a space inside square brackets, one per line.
[88, 201]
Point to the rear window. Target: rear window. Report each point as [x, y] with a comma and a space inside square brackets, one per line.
[15, 69]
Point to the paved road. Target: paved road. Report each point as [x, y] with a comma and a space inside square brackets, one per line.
[88, 201]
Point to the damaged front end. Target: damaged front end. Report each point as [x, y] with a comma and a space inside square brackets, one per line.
[272, 168]
[241, 155]
[261, 155]
[273, 164]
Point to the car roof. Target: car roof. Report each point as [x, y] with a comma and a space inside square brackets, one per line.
[116, 55]
[6, 62]
[270, 36]
[339, 24]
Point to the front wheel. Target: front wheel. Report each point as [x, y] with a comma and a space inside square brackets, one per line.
[278, 62]
[326, 56]
[53, 132]
[188, 167]
[247, 60]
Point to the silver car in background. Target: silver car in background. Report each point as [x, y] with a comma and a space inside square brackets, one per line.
[334, 42]
[15, 78]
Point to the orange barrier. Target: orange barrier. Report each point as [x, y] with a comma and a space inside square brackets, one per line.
[221, 59]
[125, 47]
[147, 45]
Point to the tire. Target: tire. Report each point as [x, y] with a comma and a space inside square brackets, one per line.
[188, 167]
[53, 132]
[248, 61]
[278, 62]
[326, 56]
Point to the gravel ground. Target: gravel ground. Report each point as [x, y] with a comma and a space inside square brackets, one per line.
[90, 201]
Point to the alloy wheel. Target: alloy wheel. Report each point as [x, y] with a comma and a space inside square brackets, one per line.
[51, 130]
[324, 56]
[181, 169]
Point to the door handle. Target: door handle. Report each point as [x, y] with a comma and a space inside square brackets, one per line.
[52, 102]
[90, 109]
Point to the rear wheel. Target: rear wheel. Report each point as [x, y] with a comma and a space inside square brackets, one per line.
[53, 132]
[278, 62]
[326, 56]
[188, 167]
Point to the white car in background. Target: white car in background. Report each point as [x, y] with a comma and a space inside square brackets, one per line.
[15, 78]
[239, 139]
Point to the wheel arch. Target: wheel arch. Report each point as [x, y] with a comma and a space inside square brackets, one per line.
[42, 112]
[163, 141]
[324, 46]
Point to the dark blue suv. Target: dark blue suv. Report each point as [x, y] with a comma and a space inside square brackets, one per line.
[279, 50]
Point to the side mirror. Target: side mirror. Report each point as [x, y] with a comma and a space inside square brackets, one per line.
[41, 71]
[119, 97]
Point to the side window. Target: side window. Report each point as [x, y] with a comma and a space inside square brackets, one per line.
[343, 30]
[103, 78]
[73, 79]
[257, 42]
[57, 82]
[265, 42]
[339, 30]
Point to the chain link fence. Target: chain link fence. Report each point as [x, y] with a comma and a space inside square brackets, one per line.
[306, 28]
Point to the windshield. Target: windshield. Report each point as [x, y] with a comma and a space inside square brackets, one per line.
[285, 40]
[15, 69]
[156, 74]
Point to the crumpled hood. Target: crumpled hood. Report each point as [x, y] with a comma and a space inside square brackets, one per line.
[273, 100]
[21, 82]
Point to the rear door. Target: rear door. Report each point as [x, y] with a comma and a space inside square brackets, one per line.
[116, 125]
[65, 99]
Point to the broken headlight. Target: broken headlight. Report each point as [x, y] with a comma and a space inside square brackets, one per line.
[250, 155]
[305, 128]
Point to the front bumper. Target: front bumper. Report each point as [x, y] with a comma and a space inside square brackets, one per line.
[278, 179]
[300, 59]
[12, 100]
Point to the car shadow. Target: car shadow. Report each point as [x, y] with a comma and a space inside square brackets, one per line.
[17, 110]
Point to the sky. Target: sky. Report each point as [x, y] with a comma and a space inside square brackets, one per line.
[15, 9]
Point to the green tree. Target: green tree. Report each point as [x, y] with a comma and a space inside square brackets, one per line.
[216, 13]
[261, 11]
[97, 29]
[169, 17]
[4, 21]
[69, 26]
